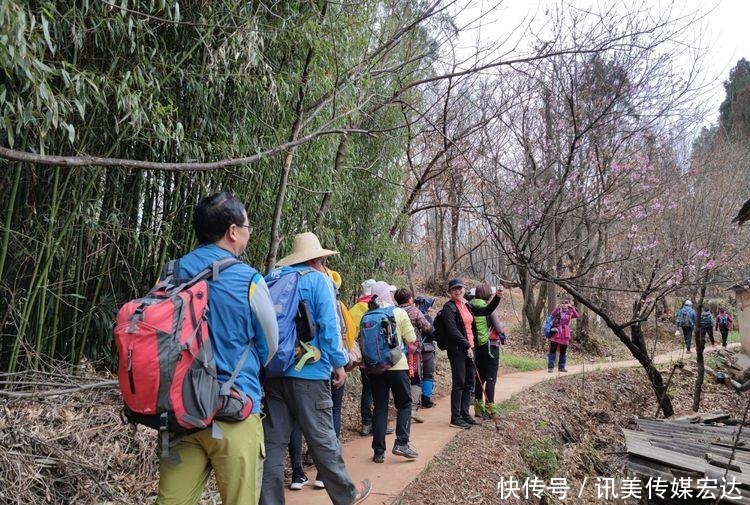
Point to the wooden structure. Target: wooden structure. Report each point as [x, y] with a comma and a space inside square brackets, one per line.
[702, 451]
[742, 292]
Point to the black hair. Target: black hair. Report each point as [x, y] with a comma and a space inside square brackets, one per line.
[402, 296]
[373, 303]
[215, 214]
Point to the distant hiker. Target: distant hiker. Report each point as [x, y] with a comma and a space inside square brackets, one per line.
[685, 320]
[487, 348]
[429, 350]
[724, 323]
[560, 339]
[384, 330]
[405, 300]
[243, 332]
[456, 319]
[303, 393]
[707, 326]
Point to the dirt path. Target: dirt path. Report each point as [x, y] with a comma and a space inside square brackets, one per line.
[392, 477]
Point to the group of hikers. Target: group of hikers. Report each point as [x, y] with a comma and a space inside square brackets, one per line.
[686, 320]
[282, 345]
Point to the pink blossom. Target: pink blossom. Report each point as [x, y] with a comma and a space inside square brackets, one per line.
[710, 264]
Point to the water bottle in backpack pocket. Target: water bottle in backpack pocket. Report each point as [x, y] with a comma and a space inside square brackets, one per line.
[379, 340]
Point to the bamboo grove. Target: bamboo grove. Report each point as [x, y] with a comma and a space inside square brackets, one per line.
[176, 82]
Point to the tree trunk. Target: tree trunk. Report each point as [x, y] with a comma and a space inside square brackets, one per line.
[699, 347]
[286, 167]
[635, 345]
[337, 164]
[532, 306]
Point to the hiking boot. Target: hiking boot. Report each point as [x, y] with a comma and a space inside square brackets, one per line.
[471, 422]
[379, 457]
[298, 482]
[416, 417]
[426, 402]
[565, 370]
[550, 370]
[319, 483]
[460, 424]
[366, 430]
[363, 491]
[405, 451]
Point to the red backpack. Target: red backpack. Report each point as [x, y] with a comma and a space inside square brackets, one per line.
[167, 371]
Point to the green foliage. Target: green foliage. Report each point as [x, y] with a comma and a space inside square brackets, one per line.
[734, 111]
[161, 82]
[506, 407]
[522, 363]
[541, 456]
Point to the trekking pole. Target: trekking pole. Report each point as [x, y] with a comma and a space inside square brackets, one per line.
[484, 394]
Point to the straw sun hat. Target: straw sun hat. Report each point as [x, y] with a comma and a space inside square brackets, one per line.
[306, 247]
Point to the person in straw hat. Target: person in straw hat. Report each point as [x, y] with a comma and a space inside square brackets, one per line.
[304, 396]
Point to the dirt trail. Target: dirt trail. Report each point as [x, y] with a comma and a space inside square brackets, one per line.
[392, 477]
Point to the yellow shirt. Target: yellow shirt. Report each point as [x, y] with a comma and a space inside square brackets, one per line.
[406, 334]
[357, 311]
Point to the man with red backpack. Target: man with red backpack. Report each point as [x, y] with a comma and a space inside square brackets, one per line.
[724, 323]
[242, 323]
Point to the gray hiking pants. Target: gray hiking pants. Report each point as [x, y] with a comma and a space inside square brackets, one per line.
[309, 403]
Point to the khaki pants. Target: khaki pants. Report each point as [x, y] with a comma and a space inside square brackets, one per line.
[237, 461]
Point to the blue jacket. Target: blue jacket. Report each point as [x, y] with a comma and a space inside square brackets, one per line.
[317, 288]
[689, 312]
[240, 313]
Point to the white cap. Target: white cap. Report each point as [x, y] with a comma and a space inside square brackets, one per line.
[367, 286]
[688, 303]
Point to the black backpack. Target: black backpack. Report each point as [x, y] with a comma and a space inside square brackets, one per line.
[441, 338]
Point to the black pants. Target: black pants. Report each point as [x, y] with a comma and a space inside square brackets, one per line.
[397, 382]
[488, 360]
[707, 331]
[724, 336]
[462, 384]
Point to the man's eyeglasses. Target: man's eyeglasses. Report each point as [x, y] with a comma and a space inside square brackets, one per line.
[249, 228]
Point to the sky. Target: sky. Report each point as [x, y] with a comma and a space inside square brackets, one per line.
[724, 32]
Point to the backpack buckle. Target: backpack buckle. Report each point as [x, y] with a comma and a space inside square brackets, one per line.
[310, 354]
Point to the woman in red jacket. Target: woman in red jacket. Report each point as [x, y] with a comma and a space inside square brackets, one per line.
[563, 313]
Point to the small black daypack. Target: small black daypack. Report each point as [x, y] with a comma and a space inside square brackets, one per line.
[438, 324]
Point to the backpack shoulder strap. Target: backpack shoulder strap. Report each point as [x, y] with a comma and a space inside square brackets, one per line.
[171, 269]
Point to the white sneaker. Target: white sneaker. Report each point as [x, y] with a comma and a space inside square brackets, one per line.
[298, 482]
[319, 483]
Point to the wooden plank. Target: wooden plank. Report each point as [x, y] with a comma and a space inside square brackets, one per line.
[722, 462]
[648, 469]
[677, 460]
[677, 428]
